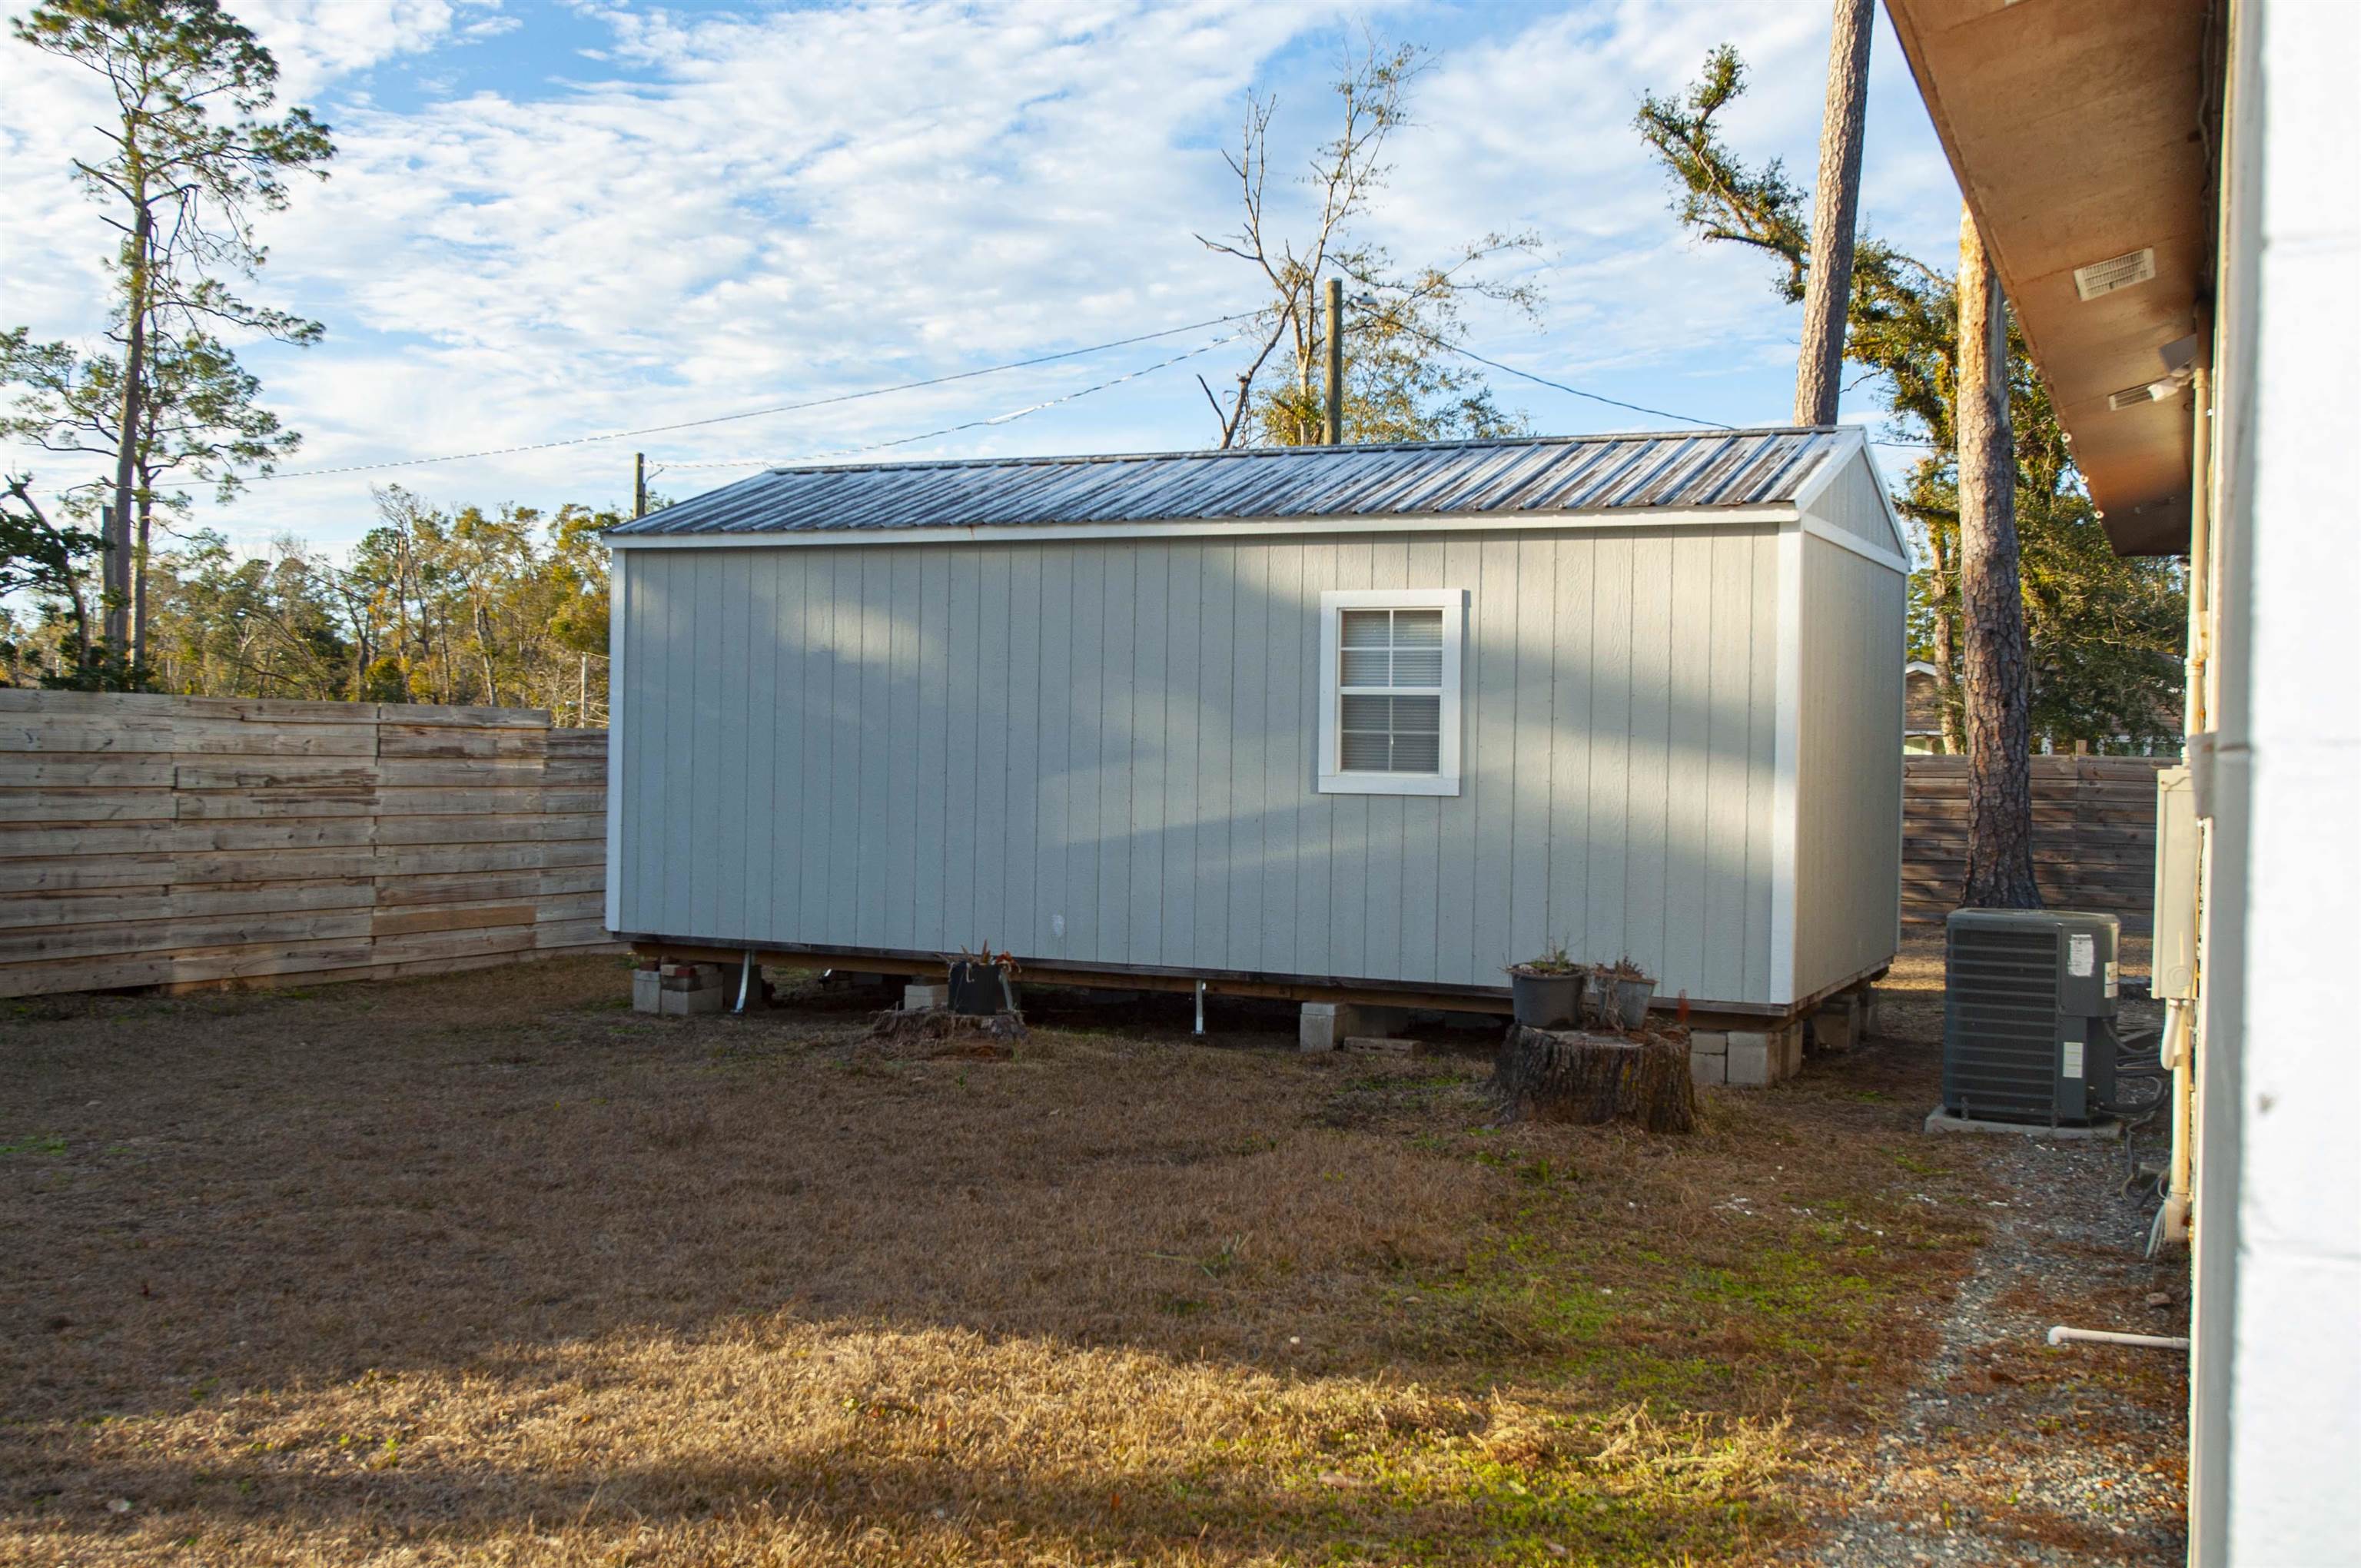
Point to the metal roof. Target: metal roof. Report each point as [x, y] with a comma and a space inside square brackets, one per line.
[1678, 471]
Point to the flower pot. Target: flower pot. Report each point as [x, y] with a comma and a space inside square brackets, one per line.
[1632, 1001]
[1546, 1000]
[981, 989]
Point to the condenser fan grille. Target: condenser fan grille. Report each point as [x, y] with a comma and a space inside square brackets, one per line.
[2004, 999]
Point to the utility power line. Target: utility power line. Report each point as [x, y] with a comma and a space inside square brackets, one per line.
[758, 413]
[970, 424]
[1560, 386]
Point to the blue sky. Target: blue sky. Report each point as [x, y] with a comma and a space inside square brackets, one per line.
[554, 219]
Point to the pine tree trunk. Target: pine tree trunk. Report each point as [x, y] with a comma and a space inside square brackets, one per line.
[139, 570]
[1947, 642]
[118, 575]
[1999, 729]
[1828, 287]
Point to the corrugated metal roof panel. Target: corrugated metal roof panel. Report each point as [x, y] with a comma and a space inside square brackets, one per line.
[1684, 470]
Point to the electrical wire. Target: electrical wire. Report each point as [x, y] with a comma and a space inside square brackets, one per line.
[758, 413]
[1430, 338]
[1600, 398]
[1012, 415]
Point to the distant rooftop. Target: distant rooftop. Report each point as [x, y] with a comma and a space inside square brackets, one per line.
[1684, 471]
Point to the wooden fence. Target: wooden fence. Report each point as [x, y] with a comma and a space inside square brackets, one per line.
[2094, 836]
[188, 842]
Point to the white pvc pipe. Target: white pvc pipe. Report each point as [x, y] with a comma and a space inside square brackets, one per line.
[1201, 1007]
[2061, 1335]
[2179, 1054]
[745, 976]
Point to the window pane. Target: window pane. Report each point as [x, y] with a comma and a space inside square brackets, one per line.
[1401, 649]
[1417, 715]
[1418, 667]
[1418, 628]
[1418, 753]
[1365, 753]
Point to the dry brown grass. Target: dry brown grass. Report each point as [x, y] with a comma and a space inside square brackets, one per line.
[490, 1270]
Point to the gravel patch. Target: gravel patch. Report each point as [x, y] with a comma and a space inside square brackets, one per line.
[2008, 1451]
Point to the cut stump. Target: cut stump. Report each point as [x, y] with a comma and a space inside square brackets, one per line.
[1556, 1075]
[938, 1031]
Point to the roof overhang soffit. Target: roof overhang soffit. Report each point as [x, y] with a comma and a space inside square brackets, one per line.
[2084, 130]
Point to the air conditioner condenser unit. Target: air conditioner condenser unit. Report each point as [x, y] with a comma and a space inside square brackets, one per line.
[2029, 1018]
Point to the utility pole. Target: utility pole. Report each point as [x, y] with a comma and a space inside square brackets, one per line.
[639, 485]
[1335, 435]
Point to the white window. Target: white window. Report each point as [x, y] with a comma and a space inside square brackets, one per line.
[1389, 691]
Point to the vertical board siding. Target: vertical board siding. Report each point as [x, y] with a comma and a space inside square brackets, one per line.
[1853, 504]
[1103, 752]
[1848, 768]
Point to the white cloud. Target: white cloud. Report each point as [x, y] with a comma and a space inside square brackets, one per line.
[744, 209]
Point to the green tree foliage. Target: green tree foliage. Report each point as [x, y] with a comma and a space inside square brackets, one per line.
[1400, 380]
[2105, 631]
[190, 158]
[505, 606]
[47, 562]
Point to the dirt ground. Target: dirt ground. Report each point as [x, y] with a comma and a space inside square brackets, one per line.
[490, 1270]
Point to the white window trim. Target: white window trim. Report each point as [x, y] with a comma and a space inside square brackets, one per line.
[1333, 779]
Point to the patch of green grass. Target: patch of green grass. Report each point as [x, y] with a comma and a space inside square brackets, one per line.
[35, 1143]
[1406, 1082]
[1785, 1284]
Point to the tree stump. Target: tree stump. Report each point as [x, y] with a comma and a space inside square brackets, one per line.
[1568, 1076]
[938, 1032]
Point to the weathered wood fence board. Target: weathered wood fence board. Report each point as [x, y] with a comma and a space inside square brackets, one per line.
[188, 842]
[2094, 836]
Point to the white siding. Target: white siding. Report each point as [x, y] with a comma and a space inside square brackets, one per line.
[1849, 767]
[917, 747]
[1853, 504]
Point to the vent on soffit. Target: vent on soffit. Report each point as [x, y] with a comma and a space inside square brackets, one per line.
[2115, 272]
[2132, 397]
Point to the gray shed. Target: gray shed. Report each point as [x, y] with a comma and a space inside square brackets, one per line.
[1322, 722]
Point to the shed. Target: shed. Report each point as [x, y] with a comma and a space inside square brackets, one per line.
[1320, 723]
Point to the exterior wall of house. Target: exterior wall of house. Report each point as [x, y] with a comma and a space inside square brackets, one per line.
[2276, 1373]
[1848, 766]
[1103, 752]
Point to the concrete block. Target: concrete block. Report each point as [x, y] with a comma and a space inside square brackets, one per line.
[1708, 1067]
[691, 1004]
[691, 977]
[1752, 1060]
[1836, 1027]
[921, 998]
[2106, 1128]
[1386, 1045]
[1787, 1044]
[1326, 1025]
[647, 988]
[1708, 1042]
